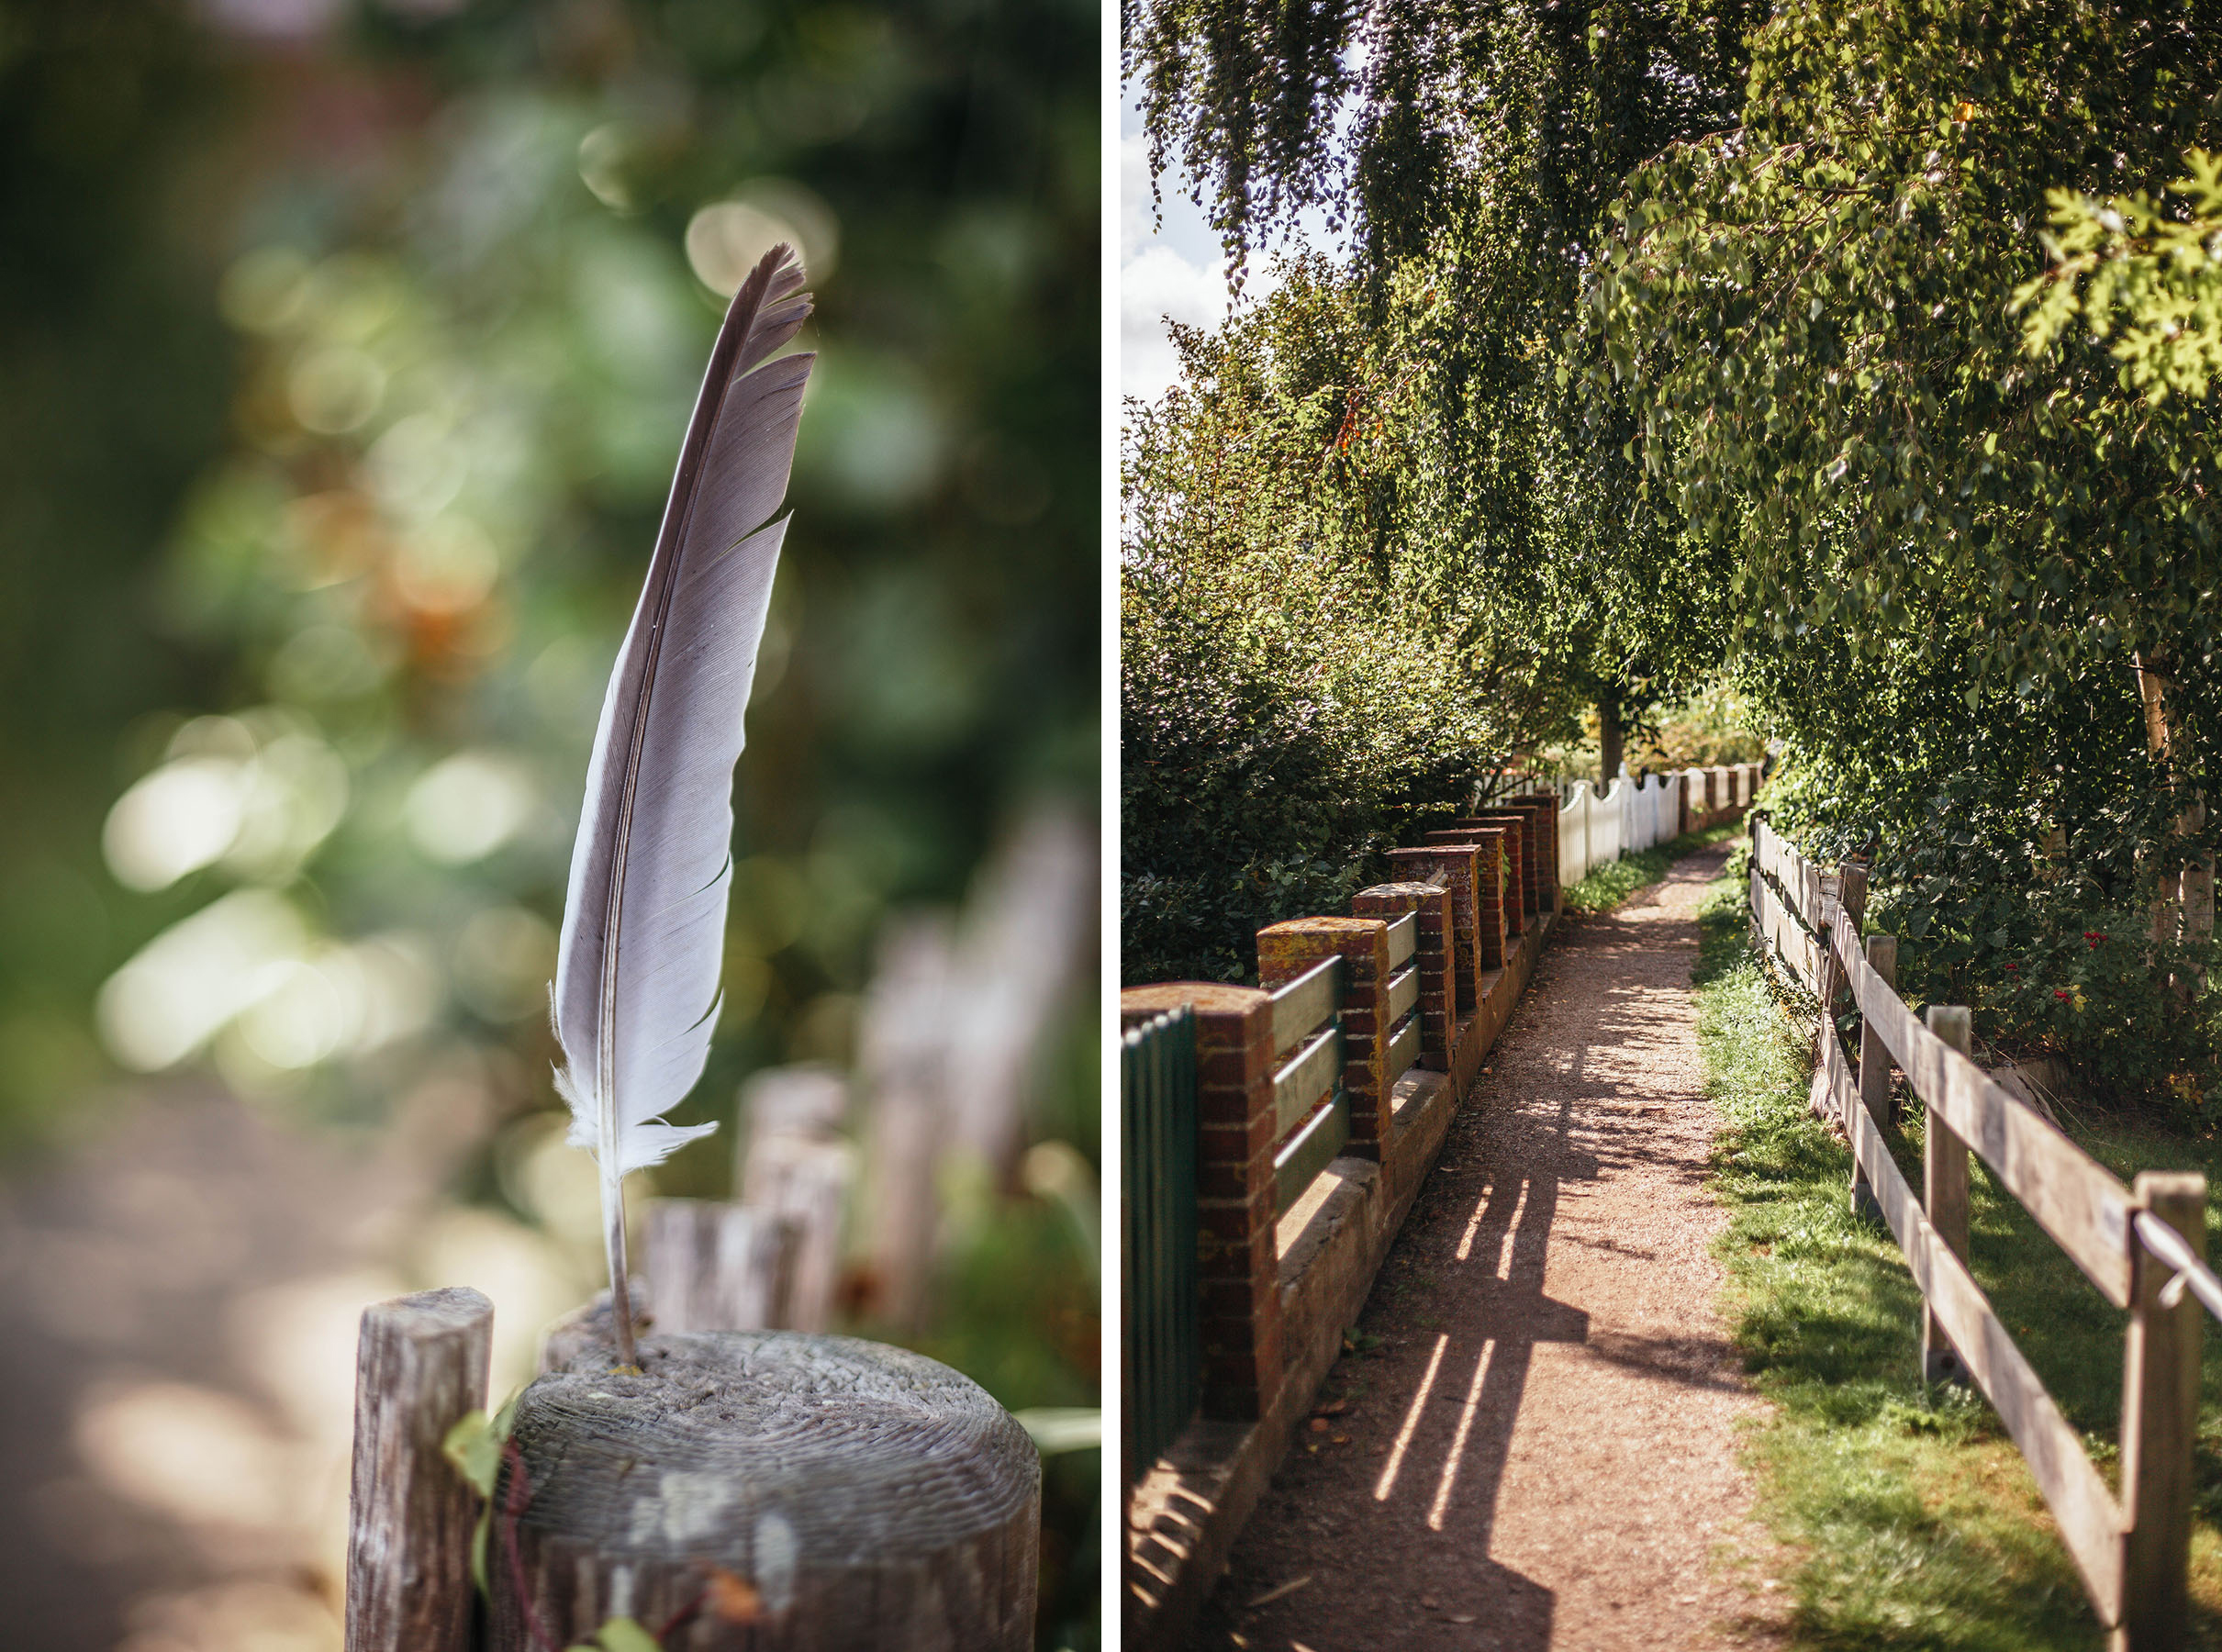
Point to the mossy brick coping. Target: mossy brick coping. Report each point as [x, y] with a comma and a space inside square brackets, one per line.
[1209, 998]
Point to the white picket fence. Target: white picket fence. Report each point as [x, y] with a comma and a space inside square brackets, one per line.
[1631, 816]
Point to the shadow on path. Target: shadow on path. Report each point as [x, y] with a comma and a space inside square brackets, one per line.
[1538, 1451]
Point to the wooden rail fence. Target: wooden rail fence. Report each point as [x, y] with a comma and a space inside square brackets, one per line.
[2142, 1246]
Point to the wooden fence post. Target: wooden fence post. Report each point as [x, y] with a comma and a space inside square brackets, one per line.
[767, 1489]
[2159, 1425]
[1287, 950]
[421, 1367]
[715, 1266]
[1944, 1195]
[1238, 1262]
[1851, 894]
[1754, 825]
[1875, 1093]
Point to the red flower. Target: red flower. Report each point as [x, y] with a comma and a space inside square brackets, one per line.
[2058, 993]
[2093, 937]
[2013, 969]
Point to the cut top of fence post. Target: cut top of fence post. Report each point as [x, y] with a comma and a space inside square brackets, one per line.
[421, 1367]
[854, 1494]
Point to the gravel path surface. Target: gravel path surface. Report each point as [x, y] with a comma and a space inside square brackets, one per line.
[1540, 1452]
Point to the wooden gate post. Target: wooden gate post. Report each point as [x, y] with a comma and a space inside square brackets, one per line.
[772, 1491]
[421, 1367]
[2159, 1421]
[1944, 1195]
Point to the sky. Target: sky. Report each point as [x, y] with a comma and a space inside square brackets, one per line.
[1175, 267]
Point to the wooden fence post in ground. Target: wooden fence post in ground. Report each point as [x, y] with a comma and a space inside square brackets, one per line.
[1944, 1195]
[1436, 957]
[2159, 1425]
[421, 1367]
[766, 1489]
[1851, 894]
[1875, 1094]
[1238, 1263]
[1287, 950]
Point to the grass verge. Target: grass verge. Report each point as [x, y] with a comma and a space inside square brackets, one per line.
[1613, 882]
[1913, 1518]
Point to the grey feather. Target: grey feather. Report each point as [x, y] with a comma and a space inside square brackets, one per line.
[635, 995]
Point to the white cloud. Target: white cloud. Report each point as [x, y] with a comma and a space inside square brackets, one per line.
[1155, 285]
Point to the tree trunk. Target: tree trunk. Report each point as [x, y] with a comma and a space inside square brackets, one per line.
[1609, 754]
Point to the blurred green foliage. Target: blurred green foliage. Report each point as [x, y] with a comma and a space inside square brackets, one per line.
[345, 355]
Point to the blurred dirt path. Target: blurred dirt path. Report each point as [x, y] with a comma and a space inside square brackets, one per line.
[179, 1291]
[1541, 1450]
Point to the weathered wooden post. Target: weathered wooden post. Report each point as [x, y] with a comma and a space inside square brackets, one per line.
[421, 1367]
[2159, 1425]
[1875, 1094]
[715, 1266]
[1944, 1195]
[1755, 830]
[767, 1489]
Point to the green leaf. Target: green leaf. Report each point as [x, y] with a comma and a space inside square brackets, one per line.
[475, 1449]
[622, 1635]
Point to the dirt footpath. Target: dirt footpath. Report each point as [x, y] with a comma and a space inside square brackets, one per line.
[1540, 1451]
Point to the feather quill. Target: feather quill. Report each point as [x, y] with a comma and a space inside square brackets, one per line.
[635, 995]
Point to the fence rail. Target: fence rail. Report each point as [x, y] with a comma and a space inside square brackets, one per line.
[1162, 1350]
[2141, 1246]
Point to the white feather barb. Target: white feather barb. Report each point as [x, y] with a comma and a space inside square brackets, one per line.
[636, 997]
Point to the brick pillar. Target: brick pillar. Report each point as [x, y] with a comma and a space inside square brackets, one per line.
[1286, 950]
[1543, 807]
[1238, 1264]
[1452, 865]
[1496, 887]
[1434, 956]
[1520, 852]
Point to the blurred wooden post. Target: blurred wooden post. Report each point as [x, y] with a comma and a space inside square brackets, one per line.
[2160, 1425]
[1944, 1195]
[769, 1490]
[714, 1266]
[421, 1367]
[796, 1169]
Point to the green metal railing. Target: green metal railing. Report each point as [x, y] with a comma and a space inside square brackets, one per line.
[1162, 1357]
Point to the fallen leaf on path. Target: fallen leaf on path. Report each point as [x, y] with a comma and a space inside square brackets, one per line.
[1271, 1595]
